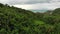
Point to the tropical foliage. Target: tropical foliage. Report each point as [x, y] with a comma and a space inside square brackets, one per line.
[20, 21]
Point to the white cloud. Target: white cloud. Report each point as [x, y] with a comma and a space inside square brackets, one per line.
[39, 6]
[27, 1]
[33, 4]
[4, 1]
[23, 1]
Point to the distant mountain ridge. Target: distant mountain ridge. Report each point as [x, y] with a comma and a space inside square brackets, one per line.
[42, 11]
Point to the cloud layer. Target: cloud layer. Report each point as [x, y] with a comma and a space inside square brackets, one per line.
[40, 6]
[33, 4]
[23, 1]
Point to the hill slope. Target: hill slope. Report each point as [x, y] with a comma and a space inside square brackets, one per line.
[20, 21]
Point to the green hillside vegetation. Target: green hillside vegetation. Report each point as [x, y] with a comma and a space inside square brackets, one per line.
[15, 20]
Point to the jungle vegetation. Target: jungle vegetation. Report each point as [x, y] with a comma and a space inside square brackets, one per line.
[15, 20]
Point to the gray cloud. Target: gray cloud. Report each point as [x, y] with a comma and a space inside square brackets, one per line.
[23, 1]
[33, 4]
[39, 6]
[4, 1]
[13, 2]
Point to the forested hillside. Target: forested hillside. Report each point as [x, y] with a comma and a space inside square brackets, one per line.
[20, 21]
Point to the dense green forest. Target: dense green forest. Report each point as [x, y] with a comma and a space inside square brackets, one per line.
[20, 21]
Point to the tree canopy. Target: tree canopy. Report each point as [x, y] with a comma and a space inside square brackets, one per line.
[15, 20]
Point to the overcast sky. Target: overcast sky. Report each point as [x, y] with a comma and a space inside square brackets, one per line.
[33, 4]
